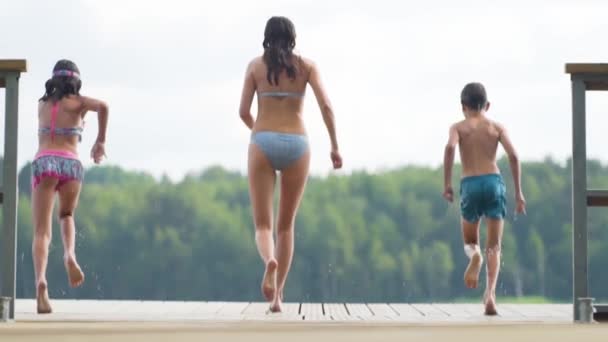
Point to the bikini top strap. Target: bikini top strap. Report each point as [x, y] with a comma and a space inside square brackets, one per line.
[54, 119]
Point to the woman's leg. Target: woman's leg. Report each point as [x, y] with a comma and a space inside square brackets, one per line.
[43, 197]
[68, 201]
[262, 178]
[293, 182]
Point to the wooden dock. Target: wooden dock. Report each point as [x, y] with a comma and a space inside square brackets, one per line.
[173, 311]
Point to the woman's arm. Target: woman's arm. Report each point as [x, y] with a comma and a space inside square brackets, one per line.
[328, 113]
[247, 97]
[324, 105]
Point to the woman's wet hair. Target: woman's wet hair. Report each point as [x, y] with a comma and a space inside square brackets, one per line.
[474, 96]
[64, 81]
[279, 42]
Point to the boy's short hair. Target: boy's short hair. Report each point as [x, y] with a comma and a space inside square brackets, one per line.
[474, 96]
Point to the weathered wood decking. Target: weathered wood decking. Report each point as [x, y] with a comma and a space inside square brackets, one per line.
[111, 310]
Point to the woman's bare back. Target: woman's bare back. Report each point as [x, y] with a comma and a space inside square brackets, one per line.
[280, 113]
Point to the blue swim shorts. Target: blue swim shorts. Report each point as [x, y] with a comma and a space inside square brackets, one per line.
[483, 195]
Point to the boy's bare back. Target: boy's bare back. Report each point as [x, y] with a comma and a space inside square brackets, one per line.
[478, 139]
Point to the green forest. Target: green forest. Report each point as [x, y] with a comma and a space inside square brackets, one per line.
[363, 237]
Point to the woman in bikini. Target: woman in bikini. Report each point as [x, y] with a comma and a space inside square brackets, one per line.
[57, 169]
[279, 143]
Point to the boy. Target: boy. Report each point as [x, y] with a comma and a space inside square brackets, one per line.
[481, 188]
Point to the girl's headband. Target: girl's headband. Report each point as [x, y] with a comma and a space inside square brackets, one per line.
[63, 72]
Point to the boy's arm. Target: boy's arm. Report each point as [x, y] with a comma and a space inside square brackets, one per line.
[515, 165]
[448, 163]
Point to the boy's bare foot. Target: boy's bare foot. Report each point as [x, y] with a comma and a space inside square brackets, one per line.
[490, 303]
[43, 303]
[75, 275]
[269, 282]
[471, 274]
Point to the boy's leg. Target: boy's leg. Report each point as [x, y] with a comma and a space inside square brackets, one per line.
[493, 246]
[470, 237]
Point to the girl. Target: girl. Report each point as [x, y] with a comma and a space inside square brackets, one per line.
[56, 168]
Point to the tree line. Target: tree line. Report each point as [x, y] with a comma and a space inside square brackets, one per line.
[367, 237]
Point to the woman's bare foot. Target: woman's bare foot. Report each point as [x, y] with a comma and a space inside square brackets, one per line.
[471, 274]
[269, 282]
[43, 303]
[489, 301]
[275, 306]
[75, 275]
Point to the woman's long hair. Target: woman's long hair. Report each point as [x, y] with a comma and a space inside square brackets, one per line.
[65, 81]
[279, 41]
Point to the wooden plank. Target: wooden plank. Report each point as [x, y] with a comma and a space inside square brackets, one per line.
[359, 310]
[382, 310]
[292, 309]
[313, 312]
[429, 310]
[558, 310]
[597, 198]
[456, 310]
[518, 309]
[181, 308]
[257, 310]
[262, 308]
[142, 307]
[565, 309]
[587, 68]
[406, 311]
[25, 306]
[540, 311]
[476, 312]
[208, 308]
[507, 311]
[337, 312]
[19, 65]
[72, 306]
[596, 85]
[232, 308]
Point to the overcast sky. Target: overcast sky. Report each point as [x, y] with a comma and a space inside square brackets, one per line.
[172, 71]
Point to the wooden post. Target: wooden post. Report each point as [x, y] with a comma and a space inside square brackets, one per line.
[579, 196]
[584, 77]
[9, 74]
